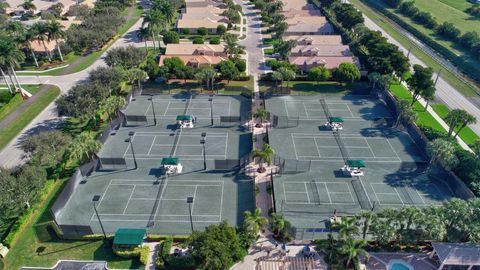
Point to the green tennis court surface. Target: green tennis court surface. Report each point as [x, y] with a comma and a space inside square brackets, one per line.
[312, 187]
[145, 197]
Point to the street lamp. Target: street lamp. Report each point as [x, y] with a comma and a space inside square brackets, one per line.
[95, 199]
[130, 140]
[202, 142]
[153, 110]
[190, 201]
[211, 111]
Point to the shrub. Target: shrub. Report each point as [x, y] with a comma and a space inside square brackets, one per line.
[448, 30]
[431, 133]
[221, 29]
[171, 37]
[163, 252]
[198, 40]
[241, 65]
[215, 40]
[202, 31]
[5, 97]
[139, 252]
[186, 31]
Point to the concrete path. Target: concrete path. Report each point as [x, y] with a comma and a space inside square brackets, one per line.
[447, 93]
[152, 255]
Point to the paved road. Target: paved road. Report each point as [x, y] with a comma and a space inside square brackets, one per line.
[447, 93]
[11, 155]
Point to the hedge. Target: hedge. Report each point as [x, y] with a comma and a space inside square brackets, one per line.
[468, 68]
[140, 252]
[163, 252]
[161, 237]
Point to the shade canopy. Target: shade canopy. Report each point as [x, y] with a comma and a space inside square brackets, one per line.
[184, 118]
[126, 236]
[169, 161]
[335, 119]
[357, 163]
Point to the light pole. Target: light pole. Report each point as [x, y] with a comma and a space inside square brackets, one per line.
[211, 111]
[202, 142]
[153, 110]
[95, 199]
[130, 140]
[190, 201]
[438, 76]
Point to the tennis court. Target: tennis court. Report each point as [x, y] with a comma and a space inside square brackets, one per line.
[142, 196]
[395, 173]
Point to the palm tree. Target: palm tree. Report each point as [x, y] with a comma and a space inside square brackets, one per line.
[15, 29]
[112, 104]
[25, 41]
[278, 78]
[28, 6]
[265, 154]
[55, 32]
[39, 30]
[346, 227]
[367, 218]
[154, 21]
[405, 112]
[143, 34]
[208, 74]
[10, 57]
[279, 225]
[443, 151]
[330, 248]
[351, 249]
[261, 114]
[231, 46]
[374, 77]
[168, 12]
[83, 147]
[465, 119]
[136, 74]
[287, 74]
[254, 221]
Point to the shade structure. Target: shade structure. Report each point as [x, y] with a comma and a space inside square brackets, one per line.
[184, 117]
[335, 119]
[127, 236]
[169, 161]
[356, 163]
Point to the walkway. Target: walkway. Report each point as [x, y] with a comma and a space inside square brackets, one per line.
[152, 255]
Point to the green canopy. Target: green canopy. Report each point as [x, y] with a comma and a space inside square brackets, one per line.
[335, 119]
[356, 163]
[169, 161]
[184, 118]
[132, 237]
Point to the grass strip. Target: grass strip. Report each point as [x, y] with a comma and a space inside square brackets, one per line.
[16, 126]
[16, 101]
[466, 134]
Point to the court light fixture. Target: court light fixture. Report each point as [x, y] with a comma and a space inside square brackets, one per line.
[202, 142]
[95, 199]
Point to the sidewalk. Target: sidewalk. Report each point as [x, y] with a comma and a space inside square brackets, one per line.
[152, 255]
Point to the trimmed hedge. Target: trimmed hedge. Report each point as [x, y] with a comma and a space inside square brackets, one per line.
[472, 70]
[139, 252]
[163, 252]
[161, 237]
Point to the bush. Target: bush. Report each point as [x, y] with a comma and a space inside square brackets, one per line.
[186, 31]
[241, 65]
[161, 237]
[243, 78]
[163, 252]
[139, 252]
[184, 262]
[221, 29]
[448, 30]
[171, 37]
[202, 31]
[215, 40]
[198, 40]
[5, 97]
[431, 133]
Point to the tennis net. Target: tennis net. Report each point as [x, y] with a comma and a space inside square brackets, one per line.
[325, 108]
[175, 142]
[153, 214]
[362, 195]
[341, 145]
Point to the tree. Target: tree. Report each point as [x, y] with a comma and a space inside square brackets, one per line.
[171, 37]
[207, 74]
[198, 40]
[254, 222]
[448, 30]
[143, 35]
[168, 11]
[29, 180]
[460, 117]
[154, 20]
[405, 113]
[330, 247]
[221, 29]
[10, 57]
[346, 228]
[214, 40]
[82, 147]
[231, 46]
[55, 32]
[218, 247]
[283, 48]
[25, 41]
[108, 77]
[112, 104]
[287, 74]
[125, 57]
[280, 29]
[136, 74]
[39, 30]
[233, 17]
[366, 218]
[279, 226]
[228, 70]
[443, 151]
[346, 73]
[277, 77]
[202, 31]
[351, 249]
[241, 65]
[46, 148]
[421, 83]
[348, 15]
[261, 114]
[468, 39]
[374, 77]
[28, 6]
[319, 74]
[265, 155]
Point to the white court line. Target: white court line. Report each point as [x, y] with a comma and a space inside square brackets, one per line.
[221, 203]
[229, 106]
[146, 111]
[188, 133]
[189, 145]
[351, 113]
[366, 192]
[356, 147]
[194, 196]
[351, 194]
[316, 145]
[328, 192]
[129, 198]
[294, 146]
[153, 142]
[169, 221]
[388, 141]
[306, 191]
[369, 147]
[101, 199]
[305, 108]
[337, 159]
[166, 109]
[398, 194]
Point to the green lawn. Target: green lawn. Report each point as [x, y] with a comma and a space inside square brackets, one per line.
[312, 88]
[271, 41]
[424, 118]
[24, 251]
[268, 51]
[11, 130]
[450, 11]
[16, 101]
[385, 24]
[466, 134]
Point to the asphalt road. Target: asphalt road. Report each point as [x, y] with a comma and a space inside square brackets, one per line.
[11, 155]
[447, 93]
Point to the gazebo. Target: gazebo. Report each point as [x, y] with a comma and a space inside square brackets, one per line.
[185, 121]
[128, 238]
[171, 165]
[464, 255]
[354, 167]
[335, 123]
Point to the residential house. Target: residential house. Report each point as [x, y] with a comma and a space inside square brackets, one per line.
[195, 55]
[315, 39]
[298, 5]
[305, 63]
[309, 25]
[193, 24]
[291, 13]
[38, 46]
[42, 5]
[203, 3]
[321, 50]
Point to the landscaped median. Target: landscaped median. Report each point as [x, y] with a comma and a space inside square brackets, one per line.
[20, 122]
